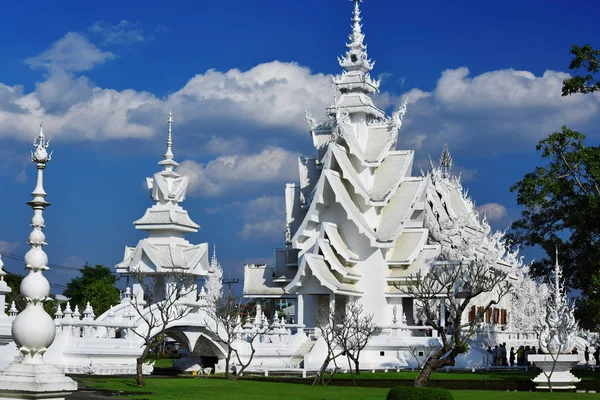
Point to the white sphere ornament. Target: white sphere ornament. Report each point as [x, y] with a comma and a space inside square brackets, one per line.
[33, 330]
[37, 237]
[37, 220]
[35, 286]
[36, 258]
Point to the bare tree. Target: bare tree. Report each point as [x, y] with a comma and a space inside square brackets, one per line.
[456, 285]
[421, 359]
[230, 319]
[359, 328]
[332, 324]
[346, 332]
[158, 305]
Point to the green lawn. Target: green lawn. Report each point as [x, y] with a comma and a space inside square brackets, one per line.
[445, 376]
[178, 389]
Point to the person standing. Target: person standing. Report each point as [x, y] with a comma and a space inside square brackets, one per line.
[586, 355]
[597, 355]
[512, 357]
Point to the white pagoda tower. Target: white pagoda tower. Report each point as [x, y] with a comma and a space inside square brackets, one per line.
[355, 220]
[358, 223]
[166, 250]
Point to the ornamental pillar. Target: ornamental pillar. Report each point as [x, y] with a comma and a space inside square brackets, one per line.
[33, 329]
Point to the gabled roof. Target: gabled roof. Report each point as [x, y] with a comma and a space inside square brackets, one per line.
[321, 271]
[422, 263]
[400, 208]
[164, 257]
[258, 282]
[335, 264]
[388, 175]
[157, 216]
[408, 246]
[378, 143]
[335, 239]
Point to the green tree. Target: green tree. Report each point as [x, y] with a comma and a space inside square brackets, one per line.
[96, 285]
[588, 59]
[562, 200]
[562, 210]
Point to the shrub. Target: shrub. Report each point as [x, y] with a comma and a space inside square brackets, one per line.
[413, 393]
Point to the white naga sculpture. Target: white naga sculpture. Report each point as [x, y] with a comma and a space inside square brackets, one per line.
[557, 340]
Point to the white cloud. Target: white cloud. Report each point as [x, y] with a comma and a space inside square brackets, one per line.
[264, 218]
[73, 52]
[497, 111]
[125, 32]
[493, 211]
[219, 145]
[228, 173]
[8, 247]
[269, 98]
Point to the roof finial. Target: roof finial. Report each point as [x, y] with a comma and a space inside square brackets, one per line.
[557, 276]
[446, 161]
[356, 61]
[168, 161]
[213, 262]
[169, 153]
[356, 28]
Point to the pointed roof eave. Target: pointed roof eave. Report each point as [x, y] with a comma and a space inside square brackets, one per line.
[150, 252]
[349, 173]
[201, 251]
[426, 258]
[296, 283]
[343, 197]
[318, 267]
[312, 214]
[336, 239]
[330, 256]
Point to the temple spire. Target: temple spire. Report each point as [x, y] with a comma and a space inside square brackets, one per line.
[169, 153]
[357, 35]
[557, 277]
[355, 62]
[168, 162]
[446, 161]
[214, 262]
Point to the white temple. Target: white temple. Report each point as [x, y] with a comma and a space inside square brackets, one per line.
[358, 226]
[165, 249]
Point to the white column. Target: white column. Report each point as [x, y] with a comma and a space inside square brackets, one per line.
[300, 310]
[332, 301]
[258, 311]
[442, 312]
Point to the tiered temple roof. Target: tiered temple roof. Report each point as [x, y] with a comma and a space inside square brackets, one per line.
[166, 222]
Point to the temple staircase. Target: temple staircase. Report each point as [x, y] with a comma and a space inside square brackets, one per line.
[305, 348]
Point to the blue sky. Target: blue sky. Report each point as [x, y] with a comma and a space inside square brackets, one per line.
[484, 76]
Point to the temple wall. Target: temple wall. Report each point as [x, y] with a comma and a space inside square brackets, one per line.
[374, 270]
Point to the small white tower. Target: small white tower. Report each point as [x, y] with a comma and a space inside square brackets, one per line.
[4, 290]
[33, 329]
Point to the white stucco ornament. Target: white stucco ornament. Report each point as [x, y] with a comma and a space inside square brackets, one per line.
[33, 330]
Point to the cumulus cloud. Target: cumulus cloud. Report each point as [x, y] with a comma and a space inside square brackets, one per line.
[125, 32]
[8, 247]
[264, 217]
[269, 98]
[493, 211]
[220, 145]
[501, 111]
[73, 52]
[228, 173]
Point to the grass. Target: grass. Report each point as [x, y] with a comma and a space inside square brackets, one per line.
[188, 388]
[444, 376]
